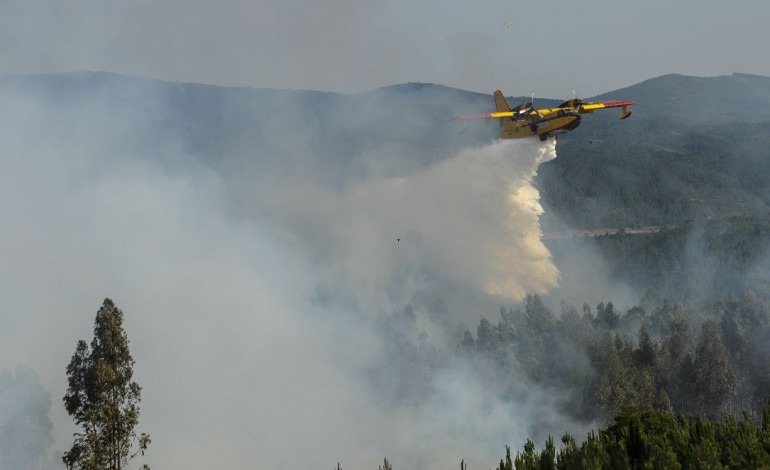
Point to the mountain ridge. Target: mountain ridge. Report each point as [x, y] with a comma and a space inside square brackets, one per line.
[694, 148]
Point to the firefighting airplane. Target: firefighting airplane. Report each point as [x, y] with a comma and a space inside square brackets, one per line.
[526, 121]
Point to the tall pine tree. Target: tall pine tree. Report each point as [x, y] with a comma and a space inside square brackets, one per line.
[103, 399]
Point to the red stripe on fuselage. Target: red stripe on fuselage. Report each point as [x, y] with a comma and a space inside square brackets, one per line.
[617, 104]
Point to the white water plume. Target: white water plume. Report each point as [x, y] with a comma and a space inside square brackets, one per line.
[472, 221]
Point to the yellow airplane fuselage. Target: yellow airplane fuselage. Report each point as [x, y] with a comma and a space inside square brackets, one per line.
[542, 123]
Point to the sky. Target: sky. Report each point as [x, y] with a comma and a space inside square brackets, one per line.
[347, 46]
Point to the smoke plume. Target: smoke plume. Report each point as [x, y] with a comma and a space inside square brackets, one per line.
[471, 220]
[253, 307]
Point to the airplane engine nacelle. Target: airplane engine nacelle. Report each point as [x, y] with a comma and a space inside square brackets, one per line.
[573, 103]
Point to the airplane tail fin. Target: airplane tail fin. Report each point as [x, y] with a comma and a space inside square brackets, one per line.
[506, 124]
[500, 102]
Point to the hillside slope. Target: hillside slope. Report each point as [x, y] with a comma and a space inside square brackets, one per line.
[695, 148]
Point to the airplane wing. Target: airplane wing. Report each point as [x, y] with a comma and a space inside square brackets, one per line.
[591, 107]
[463, 117]
[517, 116]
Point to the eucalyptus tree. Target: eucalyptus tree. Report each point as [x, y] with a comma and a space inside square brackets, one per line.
[103, 399]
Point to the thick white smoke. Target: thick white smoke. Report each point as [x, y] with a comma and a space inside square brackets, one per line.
[253, 330]
[471, 220]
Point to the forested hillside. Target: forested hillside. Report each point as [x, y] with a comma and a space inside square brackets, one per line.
[631, 370]
[694, 148]
[705, 259]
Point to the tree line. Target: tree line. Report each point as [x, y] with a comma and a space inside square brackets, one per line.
[707, 360]
[654, 439]
[638, 439]
[669, 377]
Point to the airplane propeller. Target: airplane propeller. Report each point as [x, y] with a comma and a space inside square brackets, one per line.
[578, 102]
[532, 103]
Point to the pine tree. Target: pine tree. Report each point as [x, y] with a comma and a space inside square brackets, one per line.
[103, 399]
[714, 381]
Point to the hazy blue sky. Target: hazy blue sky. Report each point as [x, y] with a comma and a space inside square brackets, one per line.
[352, 45]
